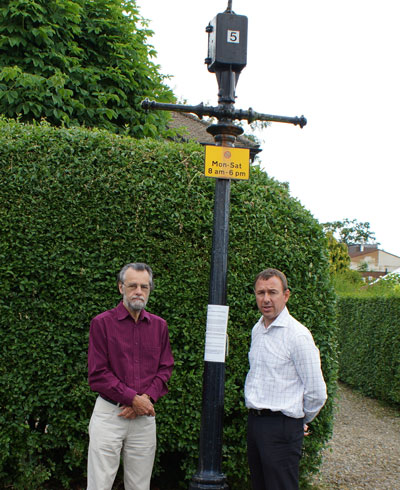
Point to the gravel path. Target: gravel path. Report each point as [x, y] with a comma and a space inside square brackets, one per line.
[365, 448]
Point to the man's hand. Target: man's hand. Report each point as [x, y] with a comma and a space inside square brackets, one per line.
[142, 405]
[127, 412]
[306, 431]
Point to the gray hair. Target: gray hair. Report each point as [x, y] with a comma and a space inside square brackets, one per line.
[268, 273]
[137, 266]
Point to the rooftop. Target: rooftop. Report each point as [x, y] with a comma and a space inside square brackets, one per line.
[197, 131]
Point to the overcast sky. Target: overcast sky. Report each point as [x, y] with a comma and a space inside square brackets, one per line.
[336, 62]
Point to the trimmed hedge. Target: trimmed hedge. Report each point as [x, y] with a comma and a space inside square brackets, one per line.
[369, 343]
[78, 204]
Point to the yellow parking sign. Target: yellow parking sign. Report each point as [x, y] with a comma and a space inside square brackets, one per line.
[224, 162]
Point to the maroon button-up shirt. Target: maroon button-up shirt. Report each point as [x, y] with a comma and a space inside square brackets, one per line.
[127, 358]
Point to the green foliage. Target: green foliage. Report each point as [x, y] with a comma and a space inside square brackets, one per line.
[350, 231]
[339, 258]
[75, 205]
[348, 282]
[351, 283]
[79, 62]
[363, 267]
[388, 285]
[370, 345]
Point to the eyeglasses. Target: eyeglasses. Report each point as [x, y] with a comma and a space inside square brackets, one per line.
[133, 286]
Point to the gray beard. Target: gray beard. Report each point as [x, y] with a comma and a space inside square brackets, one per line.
[136, 304]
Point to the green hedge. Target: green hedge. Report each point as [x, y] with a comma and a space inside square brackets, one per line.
[75, 205]
[369, 343]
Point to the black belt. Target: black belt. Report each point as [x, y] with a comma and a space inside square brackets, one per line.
[265, 412]
[111, 401]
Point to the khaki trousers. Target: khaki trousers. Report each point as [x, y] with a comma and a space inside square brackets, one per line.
[108, 436]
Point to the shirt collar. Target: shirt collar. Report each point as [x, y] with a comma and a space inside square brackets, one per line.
[123, 313]
[282, 320]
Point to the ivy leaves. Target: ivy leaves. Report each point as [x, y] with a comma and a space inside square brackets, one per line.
[79, 62]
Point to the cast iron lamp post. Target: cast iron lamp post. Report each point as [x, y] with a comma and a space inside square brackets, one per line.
[227, 56]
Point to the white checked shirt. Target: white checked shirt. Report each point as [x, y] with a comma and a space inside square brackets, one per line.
[285, 369]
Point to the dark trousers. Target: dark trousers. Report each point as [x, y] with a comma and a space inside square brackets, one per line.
[274, 444]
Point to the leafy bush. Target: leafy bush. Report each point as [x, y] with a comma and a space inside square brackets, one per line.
[75, 205]
[351, 283]
[348, 282]
[79, 62]
[388, 285]
[370, 345]
[338, 255]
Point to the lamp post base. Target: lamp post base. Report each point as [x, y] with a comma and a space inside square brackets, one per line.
[208, 482]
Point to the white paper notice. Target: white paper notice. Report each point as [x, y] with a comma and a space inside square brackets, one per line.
[217, 324]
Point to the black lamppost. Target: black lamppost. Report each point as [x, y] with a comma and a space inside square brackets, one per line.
[227, 56]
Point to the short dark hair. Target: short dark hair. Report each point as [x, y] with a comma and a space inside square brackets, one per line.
[268, 273]
[137, 266]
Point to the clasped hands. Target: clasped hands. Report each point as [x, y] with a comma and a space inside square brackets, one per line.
[141, 405]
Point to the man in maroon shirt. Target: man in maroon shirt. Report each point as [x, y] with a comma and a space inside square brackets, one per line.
[129, 364]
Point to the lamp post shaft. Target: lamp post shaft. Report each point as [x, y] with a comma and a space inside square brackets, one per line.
[227, 55]
[209, 475]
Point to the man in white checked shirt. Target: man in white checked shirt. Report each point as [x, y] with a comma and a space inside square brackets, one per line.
[284, 388]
